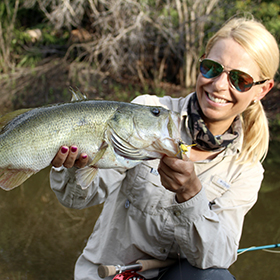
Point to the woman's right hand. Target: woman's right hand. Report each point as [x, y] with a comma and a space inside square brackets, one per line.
[68, 157]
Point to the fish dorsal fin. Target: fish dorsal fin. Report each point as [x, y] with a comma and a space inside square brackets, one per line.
[5, 119]
[77, 95]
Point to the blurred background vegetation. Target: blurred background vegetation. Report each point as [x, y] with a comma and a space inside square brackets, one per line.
[110, 49]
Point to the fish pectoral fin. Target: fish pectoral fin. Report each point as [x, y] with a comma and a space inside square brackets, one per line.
[124, 149]
[85, 176]
[11, 178]
[99, 154]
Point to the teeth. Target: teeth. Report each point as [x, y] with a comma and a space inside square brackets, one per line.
[217, 100]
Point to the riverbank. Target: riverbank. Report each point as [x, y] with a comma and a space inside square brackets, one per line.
[49, 83]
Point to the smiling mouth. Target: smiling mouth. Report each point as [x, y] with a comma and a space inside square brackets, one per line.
[216, 100]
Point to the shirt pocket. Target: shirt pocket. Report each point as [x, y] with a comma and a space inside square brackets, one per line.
[144, 189]
[216, 188]
[148, 173]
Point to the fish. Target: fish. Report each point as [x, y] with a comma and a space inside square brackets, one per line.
[113, 134]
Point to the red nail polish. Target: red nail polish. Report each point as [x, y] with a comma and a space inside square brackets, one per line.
[84, 156]
[64, 150]
[74, 149]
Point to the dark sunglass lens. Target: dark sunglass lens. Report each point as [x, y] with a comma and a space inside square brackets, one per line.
[240, 80]
[210, 69]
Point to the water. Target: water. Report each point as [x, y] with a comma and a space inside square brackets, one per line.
[41, 239]
[262, 226]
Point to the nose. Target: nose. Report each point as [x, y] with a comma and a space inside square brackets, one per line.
[221, 82]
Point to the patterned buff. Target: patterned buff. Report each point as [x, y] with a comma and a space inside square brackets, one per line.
[202, 136]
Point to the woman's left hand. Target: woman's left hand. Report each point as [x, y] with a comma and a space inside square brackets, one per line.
[178, 175]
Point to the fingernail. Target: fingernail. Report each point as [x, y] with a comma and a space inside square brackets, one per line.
[84, 156]
[74, 149]
[64, 150]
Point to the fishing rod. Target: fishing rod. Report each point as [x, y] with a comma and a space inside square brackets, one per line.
[254, 248]
[127, 272]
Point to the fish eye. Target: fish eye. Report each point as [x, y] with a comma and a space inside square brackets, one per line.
[155, 111]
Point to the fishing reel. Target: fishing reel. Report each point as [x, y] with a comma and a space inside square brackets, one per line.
[128, 275]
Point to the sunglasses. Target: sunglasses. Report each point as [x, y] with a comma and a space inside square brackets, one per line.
[239, 80]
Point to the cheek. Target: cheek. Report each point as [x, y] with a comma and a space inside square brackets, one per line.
[200, 82]
[245, 98]
[241, 103]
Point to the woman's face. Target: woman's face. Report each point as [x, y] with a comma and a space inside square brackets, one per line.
[219, 101]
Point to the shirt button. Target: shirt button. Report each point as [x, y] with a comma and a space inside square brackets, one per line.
[127, 203]
[162, 250]
[177, 213]
[154, 171]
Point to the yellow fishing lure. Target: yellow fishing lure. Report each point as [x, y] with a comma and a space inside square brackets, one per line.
[183, 149]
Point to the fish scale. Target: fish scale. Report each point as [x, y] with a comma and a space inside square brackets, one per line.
[61, 131]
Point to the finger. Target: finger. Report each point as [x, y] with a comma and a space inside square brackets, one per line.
[165, 173]
[82, 160]
[167, 184]
[71, 158]
[174, 172]
[175, 164]
[169, 180]
[60, 157]
[164, 168]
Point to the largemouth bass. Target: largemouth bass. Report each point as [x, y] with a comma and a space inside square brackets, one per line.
[113, 134]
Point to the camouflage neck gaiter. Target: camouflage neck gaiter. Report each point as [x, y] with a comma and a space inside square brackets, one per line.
[202, 136]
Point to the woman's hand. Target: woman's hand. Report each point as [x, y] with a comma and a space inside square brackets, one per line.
[178, 176]
[68, 157]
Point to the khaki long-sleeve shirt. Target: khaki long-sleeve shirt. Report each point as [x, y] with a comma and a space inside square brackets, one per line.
[141, 219]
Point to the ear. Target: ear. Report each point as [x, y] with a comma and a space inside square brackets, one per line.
[264, 89]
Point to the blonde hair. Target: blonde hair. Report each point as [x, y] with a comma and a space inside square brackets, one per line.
[263, 48]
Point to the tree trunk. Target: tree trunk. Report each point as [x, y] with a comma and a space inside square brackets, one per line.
[192, 17]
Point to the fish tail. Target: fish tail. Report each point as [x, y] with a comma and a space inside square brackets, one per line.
[11, 178]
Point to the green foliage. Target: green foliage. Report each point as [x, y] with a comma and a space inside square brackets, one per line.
[17, 48]
[145, 39]
[268, 12]
[171, 16]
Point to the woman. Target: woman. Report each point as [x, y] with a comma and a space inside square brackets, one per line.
[194, 210]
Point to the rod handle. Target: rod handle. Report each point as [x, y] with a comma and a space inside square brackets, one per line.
[106, 270]
[141, 265]
[153, 263]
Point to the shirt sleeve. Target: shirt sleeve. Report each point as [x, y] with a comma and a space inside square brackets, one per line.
[69, 194]
[209, 234]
